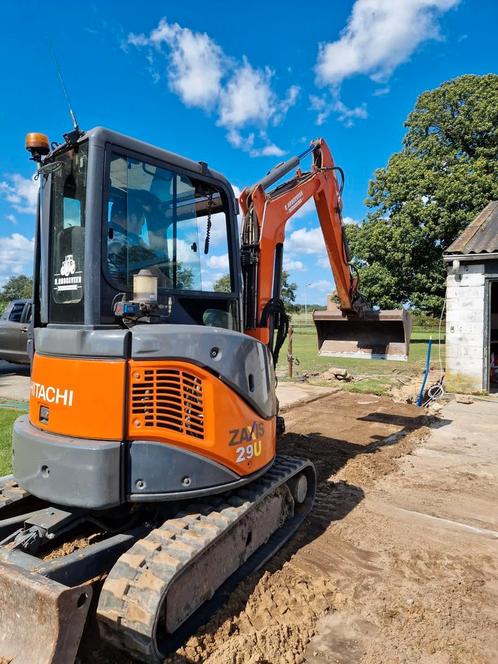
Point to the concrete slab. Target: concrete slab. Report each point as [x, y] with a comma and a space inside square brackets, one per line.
[431, 530]
[14, 381]
[293, 394]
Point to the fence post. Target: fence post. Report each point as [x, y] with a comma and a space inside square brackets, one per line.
[290, 359]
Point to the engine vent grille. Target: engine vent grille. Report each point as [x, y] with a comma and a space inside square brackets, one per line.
[168, 398]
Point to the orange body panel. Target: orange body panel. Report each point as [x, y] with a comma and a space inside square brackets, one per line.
[84, 397]
[182, 404]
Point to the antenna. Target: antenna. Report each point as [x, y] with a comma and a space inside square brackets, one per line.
[64, 89]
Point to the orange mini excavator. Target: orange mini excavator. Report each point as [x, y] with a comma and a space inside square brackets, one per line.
[145, 478]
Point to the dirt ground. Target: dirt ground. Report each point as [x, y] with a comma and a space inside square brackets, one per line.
[381, 572]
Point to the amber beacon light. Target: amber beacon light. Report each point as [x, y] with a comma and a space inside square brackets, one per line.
[37, 144]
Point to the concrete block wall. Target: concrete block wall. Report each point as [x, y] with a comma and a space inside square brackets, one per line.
[465, 302]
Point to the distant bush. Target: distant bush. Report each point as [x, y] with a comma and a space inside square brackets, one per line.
[424, 321]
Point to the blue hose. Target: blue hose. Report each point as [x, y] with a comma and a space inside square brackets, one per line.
[426, 373]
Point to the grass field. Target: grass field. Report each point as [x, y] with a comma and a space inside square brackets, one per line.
[7, 417]
[377, 375]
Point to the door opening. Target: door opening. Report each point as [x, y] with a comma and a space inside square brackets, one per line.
[493, 338]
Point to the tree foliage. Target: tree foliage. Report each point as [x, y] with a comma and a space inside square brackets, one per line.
[445, 174]
[288, 292]
[15, 288]
[223, 285]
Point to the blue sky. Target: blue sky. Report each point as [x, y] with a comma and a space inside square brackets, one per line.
[239, 86]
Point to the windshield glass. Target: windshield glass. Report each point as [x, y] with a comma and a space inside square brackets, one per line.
[169, 223]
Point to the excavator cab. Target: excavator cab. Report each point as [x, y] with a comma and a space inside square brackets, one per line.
[374, 335]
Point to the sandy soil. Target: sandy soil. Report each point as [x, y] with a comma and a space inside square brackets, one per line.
[366, 580]
[352, 440]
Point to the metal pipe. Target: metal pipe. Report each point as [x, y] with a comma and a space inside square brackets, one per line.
[282, 169]
[426, 372]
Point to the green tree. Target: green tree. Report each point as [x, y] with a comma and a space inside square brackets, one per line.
[446, 172]
[288, 292]
[17, 288]
[223, 284]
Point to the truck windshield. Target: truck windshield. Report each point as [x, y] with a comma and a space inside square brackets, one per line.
[167, 222]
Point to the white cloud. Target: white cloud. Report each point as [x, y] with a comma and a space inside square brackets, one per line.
[325, 105]
[320, 105]
[196, 62]
[385, 90]
[306, 241]
[219, 262]
[347, 114]
[247, 97]
[203, 76]
[322, 285]
[12, 218]
[16, 256]
[246, 143]
[20, 192]
[288, 102]
[293, 265]
[350, 220]
[379, 36]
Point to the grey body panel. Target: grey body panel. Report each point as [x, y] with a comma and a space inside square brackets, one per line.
[98, 474]
[238, 358]
[67, 471]
[81, 342]
[153, 466]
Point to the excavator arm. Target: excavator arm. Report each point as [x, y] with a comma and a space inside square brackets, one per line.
[265, 215]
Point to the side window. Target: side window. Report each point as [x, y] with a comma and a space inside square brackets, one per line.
[16, 313]
[28, 313]
[68, 231]
[202, 244]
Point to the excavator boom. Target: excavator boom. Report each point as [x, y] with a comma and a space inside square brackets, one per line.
[350, 329]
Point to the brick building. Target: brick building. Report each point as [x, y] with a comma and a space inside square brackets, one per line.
[472, 304]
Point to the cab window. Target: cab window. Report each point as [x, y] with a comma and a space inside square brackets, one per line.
[170, 223]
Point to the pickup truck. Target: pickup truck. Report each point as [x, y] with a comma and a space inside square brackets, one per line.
[14, 331]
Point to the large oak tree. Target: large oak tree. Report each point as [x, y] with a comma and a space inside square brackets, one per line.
[446, 172]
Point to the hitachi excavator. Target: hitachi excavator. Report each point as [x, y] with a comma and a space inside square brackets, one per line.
[145, 478]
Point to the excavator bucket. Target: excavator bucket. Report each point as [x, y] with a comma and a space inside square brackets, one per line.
[376, 335]
[41, 620]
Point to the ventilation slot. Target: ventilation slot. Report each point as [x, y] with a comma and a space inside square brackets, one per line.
[169, 399]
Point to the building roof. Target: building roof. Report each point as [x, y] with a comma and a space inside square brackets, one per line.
[481, 235]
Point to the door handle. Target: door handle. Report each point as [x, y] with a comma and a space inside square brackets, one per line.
[24, 329]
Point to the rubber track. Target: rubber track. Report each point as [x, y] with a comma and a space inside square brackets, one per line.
[134, 590]
[10, 492]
